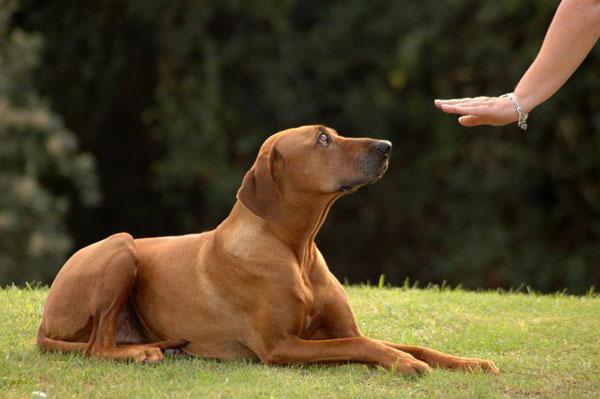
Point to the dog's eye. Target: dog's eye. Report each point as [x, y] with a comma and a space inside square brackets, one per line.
[324, 139]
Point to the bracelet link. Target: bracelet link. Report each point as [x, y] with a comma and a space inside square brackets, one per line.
[522, 122]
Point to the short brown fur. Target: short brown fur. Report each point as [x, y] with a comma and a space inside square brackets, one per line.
[256, 287]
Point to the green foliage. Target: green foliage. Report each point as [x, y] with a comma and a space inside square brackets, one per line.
[42, 171]
[546, 346]
[174, 99]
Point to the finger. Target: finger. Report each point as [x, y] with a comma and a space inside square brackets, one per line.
[465, 109]
[466, 100]
[472, 109]
[439, 102]
[449, 109]
[453, 100]
[471, 120]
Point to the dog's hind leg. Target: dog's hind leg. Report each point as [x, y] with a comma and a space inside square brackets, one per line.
[95, 285]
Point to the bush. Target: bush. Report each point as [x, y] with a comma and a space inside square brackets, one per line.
[174, 100]
[43, 173]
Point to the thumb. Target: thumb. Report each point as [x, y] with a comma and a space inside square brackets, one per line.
[470, 120]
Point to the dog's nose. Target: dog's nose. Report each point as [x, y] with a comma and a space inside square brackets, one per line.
[383, 146]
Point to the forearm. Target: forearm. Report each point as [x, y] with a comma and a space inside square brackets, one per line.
[571, 35]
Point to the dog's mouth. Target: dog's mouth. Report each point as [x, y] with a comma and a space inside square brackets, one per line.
[355, 185]
[381, 172]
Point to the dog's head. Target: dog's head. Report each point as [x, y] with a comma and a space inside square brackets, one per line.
[310, 160]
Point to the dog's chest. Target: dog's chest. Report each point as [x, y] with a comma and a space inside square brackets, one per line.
[307, 321]
[313, 298]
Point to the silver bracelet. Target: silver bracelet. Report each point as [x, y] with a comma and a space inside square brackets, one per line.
[522, 123]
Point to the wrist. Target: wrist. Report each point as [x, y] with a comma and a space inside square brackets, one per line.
[521, 113]
[527, 101]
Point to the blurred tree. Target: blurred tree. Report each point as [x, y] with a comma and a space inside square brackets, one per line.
[41, 171]
[174, 99]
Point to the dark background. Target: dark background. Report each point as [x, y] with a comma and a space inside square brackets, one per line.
[142, 116]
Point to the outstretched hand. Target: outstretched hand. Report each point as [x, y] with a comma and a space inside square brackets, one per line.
[494, 111]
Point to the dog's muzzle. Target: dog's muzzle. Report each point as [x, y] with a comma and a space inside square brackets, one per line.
[373, 165]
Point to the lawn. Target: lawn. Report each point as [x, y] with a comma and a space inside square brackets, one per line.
[545, 346]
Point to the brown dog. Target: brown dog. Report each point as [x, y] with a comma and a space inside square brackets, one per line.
[256, 287]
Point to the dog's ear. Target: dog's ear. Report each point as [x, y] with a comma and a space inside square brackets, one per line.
[259, 192]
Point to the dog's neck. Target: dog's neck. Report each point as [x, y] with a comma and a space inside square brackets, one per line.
[301, 220]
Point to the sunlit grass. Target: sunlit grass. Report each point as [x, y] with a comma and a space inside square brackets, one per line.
[545, 346]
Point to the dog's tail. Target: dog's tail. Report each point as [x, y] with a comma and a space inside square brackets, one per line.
[52, 345]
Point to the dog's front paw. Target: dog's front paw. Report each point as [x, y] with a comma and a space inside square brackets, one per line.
[412, 366]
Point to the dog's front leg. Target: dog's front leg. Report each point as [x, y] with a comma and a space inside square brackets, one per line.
[443, 360]
[355, 349]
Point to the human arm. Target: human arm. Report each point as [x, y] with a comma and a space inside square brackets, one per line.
[574, 30]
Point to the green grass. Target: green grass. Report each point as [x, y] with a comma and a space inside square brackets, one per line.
[545, 346]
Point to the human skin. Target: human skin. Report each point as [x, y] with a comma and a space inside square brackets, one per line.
[574, 31]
